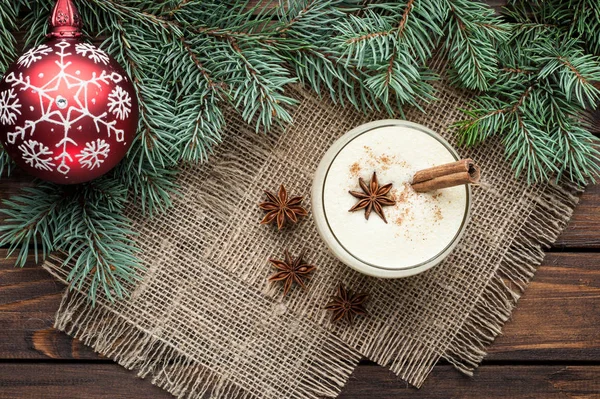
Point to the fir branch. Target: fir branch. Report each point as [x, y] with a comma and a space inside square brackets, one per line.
[199, 100]
[223, 19]
[203, 120]
[398, 83]
[529, 147]
[154, 25]
[152, 187]
[387, 28]
[541, 129]
[540, 13]
[326, 71]
[86, 222]
[574, 71]
[191, 59]
[35, 22]
[471, 37]
[156, 138]
[306, 26]
[258, 78]
[301, 12]
[392, 47]
[576, 151]
[31, 222]
[586, 22]
[368, 39]
[536, 103]
[8, 15]
[189, 78]
[97, 240]
[491, 114]
[485, 119]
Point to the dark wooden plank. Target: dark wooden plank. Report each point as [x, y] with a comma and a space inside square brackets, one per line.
[557, 318]
[584, 227]
[29, 297]
[59, 381]
[50, 381]
[490, 382]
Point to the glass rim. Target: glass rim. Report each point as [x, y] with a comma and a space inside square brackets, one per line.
[359, 263]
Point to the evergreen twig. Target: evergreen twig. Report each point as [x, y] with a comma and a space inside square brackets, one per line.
[538, 100]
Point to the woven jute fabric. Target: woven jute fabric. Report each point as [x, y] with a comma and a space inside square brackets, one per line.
[205, 323]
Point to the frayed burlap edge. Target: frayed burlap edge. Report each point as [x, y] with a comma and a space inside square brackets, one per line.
[550, 216]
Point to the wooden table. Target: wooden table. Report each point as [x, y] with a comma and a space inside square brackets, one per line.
[551, 348]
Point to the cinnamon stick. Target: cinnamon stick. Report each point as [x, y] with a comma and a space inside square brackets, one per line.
[452, 174]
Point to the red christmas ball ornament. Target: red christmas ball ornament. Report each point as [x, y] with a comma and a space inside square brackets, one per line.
[68, 111]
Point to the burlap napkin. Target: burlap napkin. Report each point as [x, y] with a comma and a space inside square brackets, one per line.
[204, 323]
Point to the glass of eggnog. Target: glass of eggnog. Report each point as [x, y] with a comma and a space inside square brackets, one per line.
[402, 232]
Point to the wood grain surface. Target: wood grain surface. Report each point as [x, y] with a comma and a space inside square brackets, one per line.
[550, 349]
[110, 381]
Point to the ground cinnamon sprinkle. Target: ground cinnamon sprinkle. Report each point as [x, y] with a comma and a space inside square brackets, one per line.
[402, 217]
[401, 196]
[438, 213]
[383, 162]
[355, 169]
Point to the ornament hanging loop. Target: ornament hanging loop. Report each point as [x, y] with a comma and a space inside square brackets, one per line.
[65, 20]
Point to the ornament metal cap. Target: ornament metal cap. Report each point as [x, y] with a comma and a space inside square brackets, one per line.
[65, 20]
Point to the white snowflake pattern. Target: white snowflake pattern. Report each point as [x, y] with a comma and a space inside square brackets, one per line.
[51, 105]
[119, 103]
[37, 155]
[9, 107]
[33, 55]
[94, 154]
[92, 52]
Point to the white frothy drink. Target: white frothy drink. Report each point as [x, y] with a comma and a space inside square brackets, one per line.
[420, 225]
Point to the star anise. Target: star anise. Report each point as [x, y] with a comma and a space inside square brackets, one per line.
[282, 208]
[345, 306]
[373, 197]
[291, 271]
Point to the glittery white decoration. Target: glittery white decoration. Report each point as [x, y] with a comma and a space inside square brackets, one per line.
[92, 52]
[9, 107]
[94, 154]
[119, 103]
[37, 155]
[33, 55]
